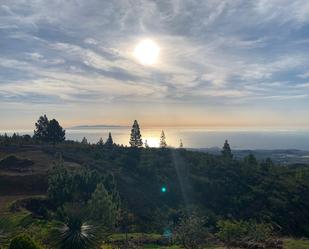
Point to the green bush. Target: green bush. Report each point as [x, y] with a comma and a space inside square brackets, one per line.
[259, 231]
[232, 230]
[23, 242]
[190, 232]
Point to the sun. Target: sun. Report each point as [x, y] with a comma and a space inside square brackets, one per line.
[147, 52]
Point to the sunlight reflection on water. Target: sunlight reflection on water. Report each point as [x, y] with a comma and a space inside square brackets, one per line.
[197, 137]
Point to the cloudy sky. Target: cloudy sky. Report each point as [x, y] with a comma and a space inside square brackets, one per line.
[222, 63]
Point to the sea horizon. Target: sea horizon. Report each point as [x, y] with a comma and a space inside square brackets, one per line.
[194, 137]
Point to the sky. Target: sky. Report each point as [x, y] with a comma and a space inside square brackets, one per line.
[222, 63]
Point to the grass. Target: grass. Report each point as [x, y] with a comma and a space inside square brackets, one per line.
[15, 223]
[23, 222]
[295, 244]
[6, 201]
[152, 246]
[122, 236]
[149, 236]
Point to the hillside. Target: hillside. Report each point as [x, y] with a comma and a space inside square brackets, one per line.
[216, 186]
[24, 169]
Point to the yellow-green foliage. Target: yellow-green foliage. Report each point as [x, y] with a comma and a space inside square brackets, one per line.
[122, 236]
[22, 222]
[296, 244]
[23, 242]
[232, 230]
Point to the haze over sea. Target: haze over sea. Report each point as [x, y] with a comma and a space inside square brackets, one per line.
[196, 137]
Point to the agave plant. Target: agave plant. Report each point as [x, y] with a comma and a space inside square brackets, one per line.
[4, 229]
[76, 234]
[2, 236]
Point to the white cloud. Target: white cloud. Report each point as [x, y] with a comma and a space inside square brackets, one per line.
[91, 41]
[205, 46]
[304, 75]
[284, 11]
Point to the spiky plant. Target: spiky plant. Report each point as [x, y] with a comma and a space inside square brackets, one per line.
[2, 236]
[76, 234]
[5, 226]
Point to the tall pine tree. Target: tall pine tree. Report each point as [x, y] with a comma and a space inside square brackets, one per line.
[136, 137]
[163, 140]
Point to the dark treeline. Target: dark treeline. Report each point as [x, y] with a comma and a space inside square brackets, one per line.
[46, 131]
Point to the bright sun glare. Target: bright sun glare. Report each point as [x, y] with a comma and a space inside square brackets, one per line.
[153, 141]
[147, 52]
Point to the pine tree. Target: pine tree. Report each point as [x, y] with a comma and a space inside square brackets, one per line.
[226, 150]
[84, 141]
[100, 142]
[109, 141]
[181, 144]
[55, 133]
[251, 160]
[136, 137]
[48, 131]
[162, 140]
[40, 133]
[102, 207]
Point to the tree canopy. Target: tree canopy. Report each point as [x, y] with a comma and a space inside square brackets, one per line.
[41, 125]
[48, 131]
[163, 143]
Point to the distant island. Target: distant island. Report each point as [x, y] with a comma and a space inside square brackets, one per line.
[96, 126]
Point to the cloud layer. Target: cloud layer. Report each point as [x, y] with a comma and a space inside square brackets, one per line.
[214, 54]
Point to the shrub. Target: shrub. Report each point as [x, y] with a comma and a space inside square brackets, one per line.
[232, 230]
[101, 207]
[190, 232]
[2, 237]
[259, 231]
[23, 242]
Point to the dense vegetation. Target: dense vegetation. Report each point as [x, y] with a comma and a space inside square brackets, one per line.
[216, 186]
[189, 196]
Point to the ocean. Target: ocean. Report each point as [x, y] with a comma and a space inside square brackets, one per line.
[198, 137]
